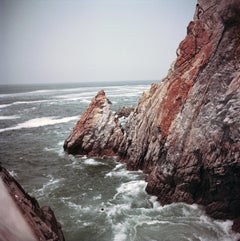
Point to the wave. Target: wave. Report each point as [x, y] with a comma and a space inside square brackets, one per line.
[28, 102]
[49, 186]
[10, 117]
[77, 95]
[131, 214]
[24, 93]
[124, 95]
[120, 171]
[111, 91]
[81, 99]
[46, 91]
[4, 105]
[22, 102]
[132, 188]
[13, 173]
[135, 216]
[92, 162]
[38, 122]
[86, 100]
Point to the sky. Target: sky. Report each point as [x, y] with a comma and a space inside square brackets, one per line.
[90, 40]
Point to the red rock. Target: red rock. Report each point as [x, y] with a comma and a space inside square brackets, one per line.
[184, 131]
[98, 132]
[188, 139]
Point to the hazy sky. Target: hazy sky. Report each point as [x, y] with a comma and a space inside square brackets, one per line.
[90, 40]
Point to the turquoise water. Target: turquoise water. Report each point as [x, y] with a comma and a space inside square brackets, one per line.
[94, 199]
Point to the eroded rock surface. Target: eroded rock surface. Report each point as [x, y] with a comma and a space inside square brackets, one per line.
[185, 132]
[98, 132]
[124, 111]
[21, 217]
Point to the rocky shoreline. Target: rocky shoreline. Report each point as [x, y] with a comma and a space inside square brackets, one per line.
[184, 132]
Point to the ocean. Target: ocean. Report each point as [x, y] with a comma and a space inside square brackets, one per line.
[94, 199]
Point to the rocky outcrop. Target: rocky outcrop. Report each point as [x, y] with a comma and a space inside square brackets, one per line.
[185, 131]
[98, 132]
[21, 218]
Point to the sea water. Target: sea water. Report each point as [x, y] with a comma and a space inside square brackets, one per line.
[94, 199]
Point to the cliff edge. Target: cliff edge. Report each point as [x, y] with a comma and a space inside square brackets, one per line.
[185, 131]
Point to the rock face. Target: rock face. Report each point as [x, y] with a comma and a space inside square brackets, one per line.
[21, 218]
[124, 111]
[185, 132]
[98, 132]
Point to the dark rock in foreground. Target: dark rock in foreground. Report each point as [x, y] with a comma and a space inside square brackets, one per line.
[185, 132]
[21, 218]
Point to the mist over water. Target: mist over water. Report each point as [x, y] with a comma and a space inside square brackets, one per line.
[94, 199]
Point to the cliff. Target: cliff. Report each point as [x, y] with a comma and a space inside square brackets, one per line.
[185, 131]
[21, 218]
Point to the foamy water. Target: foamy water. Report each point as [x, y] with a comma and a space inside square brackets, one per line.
[38, 122]
[10, 117]
[94, 199]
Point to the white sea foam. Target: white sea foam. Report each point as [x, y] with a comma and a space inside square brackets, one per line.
[98, 197]
[13, 173]
[222, 228]
[76, 164]
[80, 99]
[117, 209]
[124, 95]
[79, 208]
[132, 188]
[38, 122]
[89, 94]
[35, 92]
[87, 101]
[131, 215]
[23, 93]
[155, 203]
[49, 186]
[29, 102]
[22, 103]
[111, 91]
[56, 148]
[10, 117]
[5, 105]
[75, 97]
[121, 171]
[92, 162]
[120, 232]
